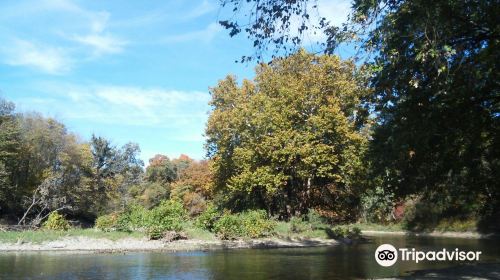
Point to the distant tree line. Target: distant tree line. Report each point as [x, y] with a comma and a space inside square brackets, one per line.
[45, 168]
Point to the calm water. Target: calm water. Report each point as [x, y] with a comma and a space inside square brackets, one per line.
[336, 262]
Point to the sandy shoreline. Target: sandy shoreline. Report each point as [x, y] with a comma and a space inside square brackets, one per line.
[134, 244]
[87, 244]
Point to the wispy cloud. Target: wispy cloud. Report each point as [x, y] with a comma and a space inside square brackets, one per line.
[205, 7]
[205, 35]
[45, 58]
[122, 105]
[101, 44]
[72, 35]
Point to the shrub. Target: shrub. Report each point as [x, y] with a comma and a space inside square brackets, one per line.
[377, 205]
[315, 220]
[56, 221]
[155, 232]
[169, 215]
[133, 218]
[421, 215]
[206, 220]
[252, 224]
[345, 232]
[106, 222]
[194, 202]
[256, 224]
[298, 225]
[229, 226]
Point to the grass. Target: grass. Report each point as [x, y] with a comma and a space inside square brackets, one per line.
[281, 230]
[322, 231]
[40, 236]
[194, 232]
[378, 227]
[451, 225]
[457, 225]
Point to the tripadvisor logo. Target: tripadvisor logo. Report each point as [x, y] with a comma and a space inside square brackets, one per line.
[387, 255]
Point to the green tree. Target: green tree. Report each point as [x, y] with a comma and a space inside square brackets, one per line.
[10, 144]
[292, 139]
[161, 170]
[52, 173]
[115, 171]
[435, 90]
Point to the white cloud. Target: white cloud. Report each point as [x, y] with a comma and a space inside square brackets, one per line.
[73, 35]
[45, 58]
[202, 9]
[160, 120]
[335, 12]
[205, 35]
[121, 105]
[101, 44]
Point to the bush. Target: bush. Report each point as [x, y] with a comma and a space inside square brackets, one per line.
[298, 225]
[169, 215]
[252, 224]
[315, 220]
[155, 232]
[345, 232]
[56, 221]
[206, 220]
[377, 205]
[229, 226]
[195, 203]
[132, 219]
[421, 215]
[256, 224]
[106, 222]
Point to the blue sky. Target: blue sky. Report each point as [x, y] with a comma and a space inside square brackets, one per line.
[134, 71]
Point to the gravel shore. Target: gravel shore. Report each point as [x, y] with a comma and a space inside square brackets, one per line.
[134, 244]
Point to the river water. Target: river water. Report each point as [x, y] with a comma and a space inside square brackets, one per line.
[335, 262]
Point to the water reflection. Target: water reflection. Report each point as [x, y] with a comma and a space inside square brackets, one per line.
[336, 262]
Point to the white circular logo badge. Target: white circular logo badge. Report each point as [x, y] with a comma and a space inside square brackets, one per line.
[386, 255]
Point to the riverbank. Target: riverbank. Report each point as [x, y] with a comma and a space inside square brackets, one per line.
[143, 244]
[450, 234]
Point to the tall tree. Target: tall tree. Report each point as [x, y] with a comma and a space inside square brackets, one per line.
[292, 139]
[10, 144]
[114, 172]
[436, 90]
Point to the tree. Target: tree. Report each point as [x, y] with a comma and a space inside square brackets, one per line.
[161, 170]
[53, 172]
[435, 90]
[104, 165]
[437, 94]
[193, 186]
[292, 139]
[114, 172]
[280, 26]
[10, 144]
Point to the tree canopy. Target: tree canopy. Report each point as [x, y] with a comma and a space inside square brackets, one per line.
[435, 90]
[292, 139]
